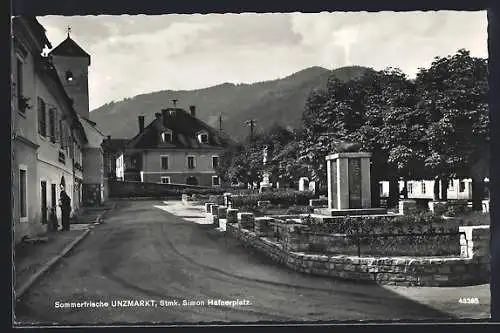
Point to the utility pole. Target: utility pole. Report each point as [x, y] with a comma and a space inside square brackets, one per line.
[251, 123]
[220, 121]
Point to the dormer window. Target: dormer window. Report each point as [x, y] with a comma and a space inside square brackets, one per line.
[166, 137]
[203, 137]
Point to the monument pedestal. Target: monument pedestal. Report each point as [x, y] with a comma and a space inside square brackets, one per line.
[265, 185]
[349, 188]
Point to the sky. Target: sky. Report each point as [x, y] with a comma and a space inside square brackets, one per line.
[138, 54]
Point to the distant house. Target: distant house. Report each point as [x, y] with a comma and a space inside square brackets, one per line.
[176, 147]
[458, 189]
[112, 148]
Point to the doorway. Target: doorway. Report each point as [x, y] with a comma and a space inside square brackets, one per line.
[191, 181]
[43, 203]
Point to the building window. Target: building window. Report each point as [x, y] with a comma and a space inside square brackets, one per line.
[215, 181]
[165, 180]
[166, 137]
[381, 189]
[19, 85]
[410, 188]
[215, 162]
[164, 162]
[42, 117]
[461, 186]
[203, 137]
[191, 162]
[423, 187]
[23, 184]
[52, 125]
[450, 185]
[61, 133]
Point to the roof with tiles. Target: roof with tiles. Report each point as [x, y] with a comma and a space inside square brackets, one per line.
[184, 128]
[69, 48]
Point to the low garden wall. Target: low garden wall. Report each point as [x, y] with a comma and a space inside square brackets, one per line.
[130, 189]
[472, 268]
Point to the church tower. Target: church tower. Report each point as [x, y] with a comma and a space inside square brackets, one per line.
[72, 63]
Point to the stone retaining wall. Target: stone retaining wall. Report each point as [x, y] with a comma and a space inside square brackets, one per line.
[474, 269]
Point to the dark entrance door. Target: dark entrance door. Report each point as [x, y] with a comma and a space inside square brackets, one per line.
[53, 195]
[191, 181]
[43, 186]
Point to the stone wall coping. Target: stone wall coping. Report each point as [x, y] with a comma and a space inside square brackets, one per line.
[245, 214]
[348, 155]
[264, 218]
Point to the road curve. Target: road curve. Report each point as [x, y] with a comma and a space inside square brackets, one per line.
[145, 253]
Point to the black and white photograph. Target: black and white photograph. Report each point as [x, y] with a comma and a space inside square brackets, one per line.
[329, 167]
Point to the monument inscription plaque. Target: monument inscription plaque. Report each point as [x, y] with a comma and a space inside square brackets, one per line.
[333, 184]
[354, 171]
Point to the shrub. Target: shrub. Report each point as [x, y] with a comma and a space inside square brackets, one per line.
[191, 191]
[457, 208]
[299, 210]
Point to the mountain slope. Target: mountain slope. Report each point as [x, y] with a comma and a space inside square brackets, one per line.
[278, 101]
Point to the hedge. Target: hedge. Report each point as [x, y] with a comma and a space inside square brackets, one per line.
[283, 198]
[416, 223]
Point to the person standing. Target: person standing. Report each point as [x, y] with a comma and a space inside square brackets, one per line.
[65, 209]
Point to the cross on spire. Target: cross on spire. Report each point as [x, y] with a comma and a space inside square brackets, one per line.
[69, 30]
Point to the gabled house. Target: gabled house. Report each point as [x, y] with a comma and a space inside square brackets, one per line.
[47, 136]
[176, 147]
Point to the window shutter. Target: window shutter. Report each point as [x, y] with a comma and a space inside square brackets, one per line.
[40, 116]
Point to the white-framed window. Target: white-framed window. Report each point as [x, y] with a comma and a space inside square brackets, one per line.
[451, 186]
[215, 181]
[166, 136]
[42, 117]
[23, 193]
[164, 162]
[410, 188]
[461, 186]
[191, 162]
[215, 162]
[165, 180]
[422, 187]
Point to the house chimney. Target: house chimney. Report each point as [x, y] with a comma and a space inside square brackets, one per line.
[192, 109]
[141, 123]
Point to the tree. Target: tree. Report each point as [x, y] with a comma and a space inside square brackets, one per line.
[453, 95]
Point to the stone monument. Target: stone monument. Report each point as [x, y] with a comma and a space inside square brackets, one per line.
[349, 184]
[265, 184]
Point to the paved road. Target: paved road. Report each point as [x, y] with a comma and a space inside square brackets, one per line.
[145, 253]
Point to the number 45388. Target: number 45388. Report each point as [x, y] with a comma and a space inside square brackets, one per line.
[468, 300]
